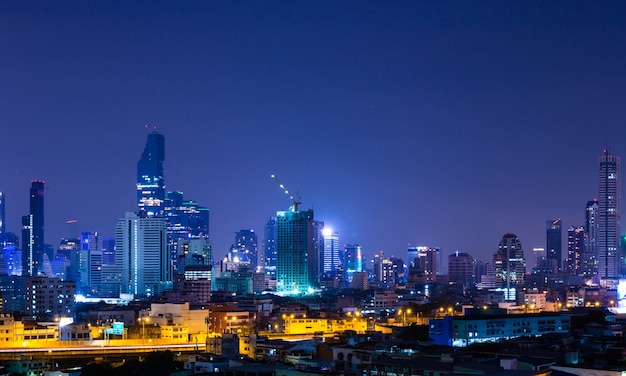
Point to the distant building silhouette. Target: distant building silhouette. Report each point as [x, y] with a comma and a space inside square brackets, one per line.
[609, 216]
[554, 240]
[270, 257]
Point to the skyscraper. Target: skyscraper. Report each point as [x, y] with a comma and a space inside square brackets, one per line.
[296, 251]
[609, 216]
[32, 232]
[246, 243]
[554, 241]
[269, 247]
[332, 259]
[150, 183]
[590, 258]
[141, 254]
[461, 269]
[509, 262]
[353, 260]
[575, 250]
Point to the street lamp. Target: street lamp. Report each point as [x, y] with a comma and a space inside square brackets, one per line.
[143, 326]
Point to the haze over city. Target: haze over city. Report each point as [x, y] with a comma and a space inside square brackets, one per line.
[439, 124]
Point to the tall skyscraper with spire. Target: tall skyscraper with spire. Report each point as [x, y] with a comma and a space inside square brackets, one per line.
[609, 215]
[150, 183]
[32, 232]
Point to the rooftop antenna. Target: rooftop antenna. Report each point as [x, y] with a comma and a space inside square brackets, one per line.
[296, 201]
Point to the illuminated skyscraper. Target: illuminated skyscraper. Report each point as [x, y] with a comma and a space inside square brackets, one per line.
[150, 183]
[609, 216]
[141, 255]
[423, 261]
[590, 258]
[353, 260]
[554, 243]
[509, 262]
[296, 251]
[32, 232]
[332, 259]
[575, 250]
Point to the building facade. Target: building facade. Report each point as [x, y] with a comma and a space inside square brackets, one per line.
[509, 262]
[575, 250]
[590, 259]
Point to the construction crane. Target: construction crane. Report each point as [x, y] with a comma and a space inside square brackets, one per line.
[296, 201]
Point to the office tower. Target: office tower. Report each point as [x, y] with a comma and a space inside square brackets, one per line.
[295, 250]
[590, 259]
[32, 232]
[509, 262]
[398, 268]
[10, 254]
[194, 253]
[554, 237]
[377, 267]
[575, 250]
[141, 254]
[246, 244]
[353, 262]
[150, 183]
[269, 247]
[185, 220]
[423, 261]
[461, 269]
[2, 215]
[332, 260]
[609, 216]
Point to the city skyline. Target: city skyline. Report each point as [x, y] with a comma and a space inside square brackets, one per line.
[423, 124]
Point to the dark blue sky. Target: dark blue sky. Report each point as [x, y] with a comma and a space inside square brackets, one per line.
[431, 123]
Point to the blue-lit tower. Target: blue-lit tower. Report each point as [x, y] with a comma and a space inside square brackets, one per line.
[246, 243]
[150, 183]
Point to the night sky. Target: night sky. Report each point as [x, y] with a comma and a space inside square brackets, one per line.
[426, 123]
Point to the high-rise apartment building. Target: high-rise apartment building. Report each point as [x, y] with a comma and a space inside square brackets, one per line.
[332, 260]
[575, 250]
[509, 262]
[32, 232]
[461, 269]
[609, 216]
[554, 236]
[141, 254]
[150, 182]
[296, 251]
[590, 257]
